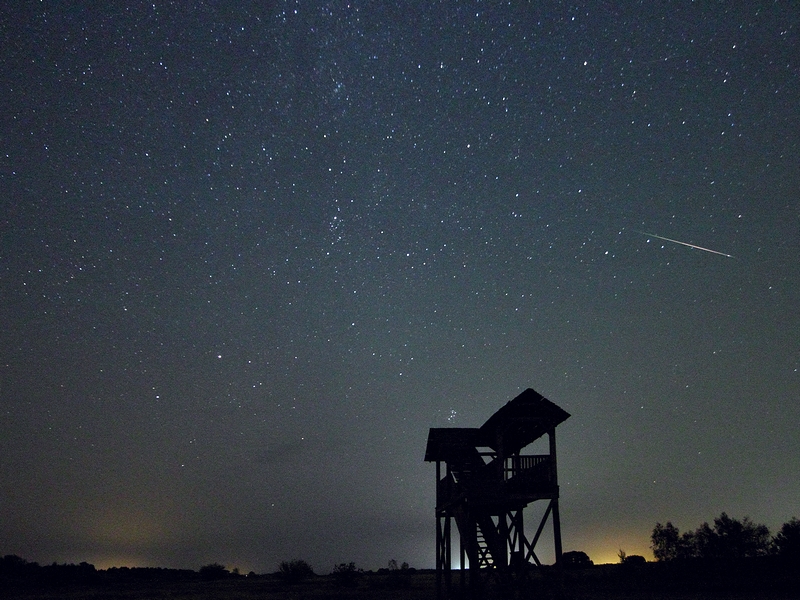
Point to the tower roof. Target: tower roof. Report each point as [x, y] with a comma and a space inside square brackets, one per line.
[520, 422]
[450, 444]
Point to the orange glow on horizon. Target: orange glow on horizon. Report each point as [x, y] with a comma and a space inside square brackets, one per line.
[603, 547]
[118, 562]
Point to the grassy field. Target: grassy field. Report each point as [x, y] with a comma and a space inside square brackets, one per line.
[605, 582]
[420, 586]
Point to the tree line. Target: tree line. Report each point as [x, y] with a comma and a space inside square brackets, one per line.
[728, 539]
[16, 570]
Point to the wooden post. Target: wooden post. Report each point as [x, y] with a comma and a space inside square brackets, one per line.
[556, 531]
[448, 573]
[438, 556]
[463, 565]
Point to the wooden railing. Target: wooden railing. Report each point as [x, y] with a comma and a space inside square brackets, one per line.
[516, 465]
[536, 469]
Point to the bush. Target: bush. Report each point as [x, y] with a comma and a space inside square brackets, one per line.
[576, 560]
[213, 571]
[294, 571]
[346, 574]
[393, 577]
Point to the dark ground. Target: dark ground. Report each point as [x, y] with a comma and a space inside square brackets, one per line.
[768, 579]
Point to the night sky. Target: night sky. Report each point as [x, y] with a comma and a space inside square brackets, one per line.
[250, 252]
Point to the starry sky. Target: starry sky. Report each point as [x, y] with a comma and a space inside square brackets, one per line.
[250, 252]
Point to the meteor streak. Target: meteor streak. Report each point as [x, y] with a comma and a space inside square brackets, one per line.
[685, 244]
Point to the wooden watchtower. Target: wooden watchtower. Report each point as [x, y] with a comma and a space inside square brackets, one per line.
[486, 483]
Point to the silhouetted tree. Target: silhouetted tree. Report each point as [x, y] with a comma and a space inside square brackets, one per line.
[688, 546]
[668, 543]
[11, 564]
[56, 574]
[665, 541]
[296, 570]
[731, 539]
[787, 541]
[13, 567]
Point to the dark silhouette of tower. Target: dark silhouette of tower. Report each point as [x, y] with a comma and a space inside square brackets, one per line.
[484, 487]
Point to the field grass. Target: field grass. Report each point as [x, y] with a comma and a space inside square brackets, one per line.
[604, 582]
[420, 587]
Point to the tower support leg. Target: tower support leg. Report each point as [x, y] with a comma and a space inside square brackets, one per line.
[556, 530]
[443, 570]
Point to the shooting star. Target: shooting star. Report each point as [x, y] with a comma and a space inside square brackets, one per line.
[685, 244]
